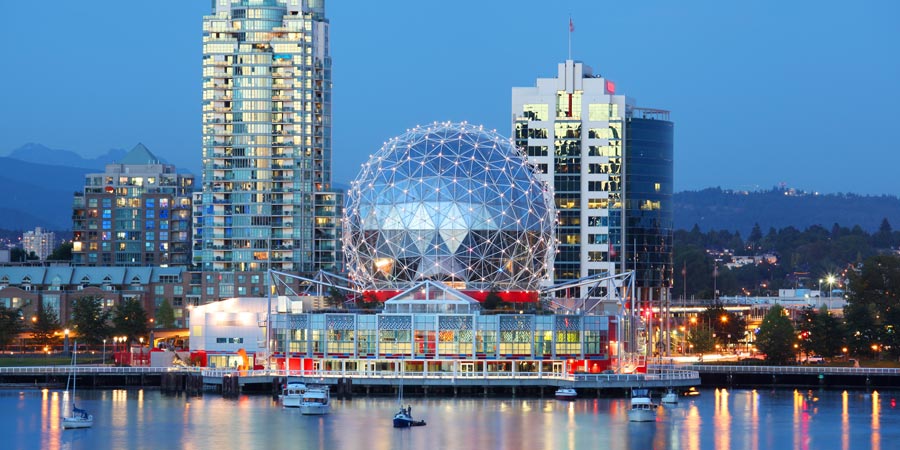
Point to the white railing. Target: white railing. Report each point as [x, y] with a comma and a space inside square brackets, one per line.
[506, 375]
[797, 370]
[86, 370]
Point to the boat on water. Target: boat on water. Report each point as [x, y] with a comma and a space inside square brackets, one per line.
[566, 394]
[78, 418]
[316, 401]
[670, 397]
[292, 395]
[642, 407]
[404, 419]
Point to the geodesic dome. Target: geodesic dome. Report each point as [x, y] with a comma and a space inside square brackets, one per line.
[449, 202]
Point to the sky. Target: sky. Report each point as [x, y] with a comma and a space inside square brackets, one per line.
[764, 92]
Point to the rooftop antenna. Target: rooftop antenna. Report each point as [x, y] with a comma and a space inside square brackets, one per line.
[571, 30]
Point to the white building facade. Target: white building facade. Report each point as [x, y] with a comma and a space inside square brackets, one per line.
[40, 242]
[572, 127]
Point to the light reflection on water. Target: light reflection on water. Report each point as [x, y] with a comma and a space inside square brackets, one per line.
[717, 419]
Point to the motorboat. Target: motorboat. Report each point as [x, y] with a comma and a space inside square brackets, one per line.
[292, 395]
[316, 401]
[404, 419]
[78, 418]
[670, 397]
[642, 407]
[566, 394]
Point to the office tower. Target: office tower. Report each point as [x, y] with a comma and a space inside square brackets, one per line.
[40, 242]
[610, 164]
[138, 212]
[266, 200]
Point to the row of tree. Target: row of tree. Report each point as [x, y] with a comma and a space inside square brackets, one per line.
[869, 327]
[90, 322]
[814, 252]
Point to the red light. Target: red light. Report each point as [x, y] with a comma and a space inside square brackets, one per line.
[610, 87]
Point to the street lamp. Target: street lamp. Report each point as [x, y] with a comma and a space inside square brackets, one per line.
[104, 352]
[830, 279]
[66, 341]
[142, 349]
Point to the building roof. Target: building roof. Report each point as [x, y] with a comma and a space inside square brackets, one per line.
[16, 275]
[138, 156]
[65, 275]
[99, 275]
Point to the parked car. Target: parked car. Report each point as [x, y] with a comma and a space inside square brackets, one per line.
[814, 360]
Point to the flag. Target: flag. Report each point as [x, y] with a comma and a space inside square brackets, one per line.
[571, 25]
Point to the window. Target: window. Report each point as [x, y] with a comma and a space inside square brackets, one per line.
[536, 112]
[151, 224]
[149, 203]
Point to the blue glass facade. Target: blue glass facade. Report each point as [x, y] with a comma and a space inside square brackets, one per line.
[648, 186]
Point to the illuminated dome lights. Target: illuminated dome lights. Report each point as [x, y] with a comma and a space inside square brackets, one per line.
[453, 203]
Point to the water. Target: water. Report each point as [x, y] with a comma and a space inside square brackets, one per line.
[717, 419]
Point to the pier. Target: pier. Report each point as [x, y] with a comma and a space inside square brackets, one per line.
[232, 382]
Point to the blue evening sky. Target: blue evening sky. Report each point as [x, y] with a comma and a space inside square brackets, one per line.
[762, 92]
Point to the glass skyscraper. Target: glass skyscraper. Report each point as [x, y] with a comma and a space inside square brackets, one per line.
[267, 200]
[610, 165]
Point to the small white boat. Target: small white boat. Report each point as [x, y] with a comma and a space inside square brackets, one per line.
[566, 394]
[79, 418]
[316, 401]
[292, 395]
[642, 407]
[670, 397]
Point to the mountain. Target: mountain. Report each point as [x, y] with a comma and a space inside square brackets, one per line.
[39, 154]
[718, 209]
[38, 195]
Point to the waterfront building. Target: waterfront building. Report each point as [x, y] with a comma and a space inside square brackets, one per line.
[56, 288]
[40, 242]
[136, 213]
[437, 220]
[32, 287]
[610, 165]
[267, 200]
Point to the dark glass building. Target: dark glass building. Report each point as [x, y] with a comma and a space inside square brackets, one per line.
[649, 143]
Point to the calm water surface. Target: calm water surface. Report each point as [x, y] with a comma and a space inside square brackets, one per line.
[717, 419]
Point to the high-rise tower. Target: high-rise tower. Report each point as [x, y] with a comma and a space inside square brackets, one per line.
[266, 200]
[610, 164]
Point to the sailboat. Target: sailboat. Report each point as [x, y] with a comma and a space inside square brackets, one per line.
[403, 418]
[79, 418]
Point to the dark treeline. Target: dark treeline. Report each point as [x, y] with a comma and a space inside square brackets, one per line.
[783, 259]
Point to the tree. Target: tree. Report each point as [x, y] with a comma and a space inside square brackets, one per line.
[62, 253]
[701, 339]
[11, 324]
[493, 299]
[129, 319]
[776, 337]
[165, 315]
[89, 319]
[335, 298]
[45, 326]
[873, 310]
